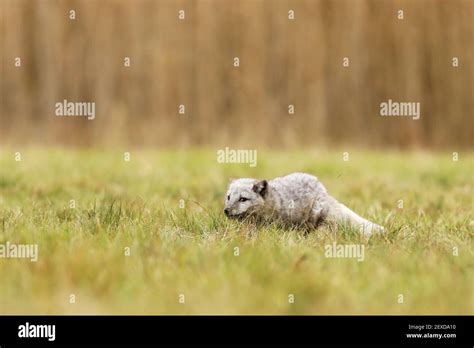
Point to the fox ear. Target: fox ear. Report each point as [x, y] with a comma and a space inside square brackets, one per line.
[260, 187]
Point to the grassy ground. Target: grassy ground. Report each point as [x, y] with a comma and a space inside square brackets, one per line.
[192, 250]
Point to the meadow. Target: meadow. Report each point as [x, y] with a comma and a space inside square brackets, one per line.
[148, 236]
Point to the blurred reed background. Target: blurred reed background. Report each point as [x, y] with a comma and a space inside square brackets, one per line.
[282, 62]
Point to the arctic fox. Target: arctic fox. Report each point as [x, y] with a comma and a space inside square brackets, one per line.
[295, 199]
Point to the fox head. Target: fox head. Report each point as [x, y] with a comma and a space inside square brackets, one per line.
[245, 197]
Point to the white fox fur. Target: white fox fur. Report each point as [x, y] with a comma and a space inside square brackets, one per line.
[295, 199]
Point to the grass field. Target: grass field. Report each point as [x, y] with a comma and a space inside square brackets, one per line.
[191, 251]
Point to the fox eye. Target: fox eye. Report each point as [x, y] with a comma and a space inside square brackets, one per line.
[228, 197]
[243, 199]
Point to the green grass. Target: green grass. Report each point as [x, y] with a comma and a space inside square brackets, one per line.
[190, 251]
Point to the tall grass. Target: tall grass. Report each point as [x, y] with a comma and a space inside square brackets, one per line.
[283, 62]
